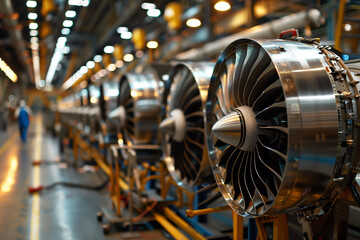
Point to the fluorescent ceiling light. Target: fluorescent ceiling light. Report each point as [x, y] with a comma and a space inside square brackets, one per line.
[97, 58]
[139, 54]
[34, 46]
[111, 67]
[222, 6]
[82, 3]
[34, 33]
[66, 50]
[65, 31]
[62, 39]
[32, 16]
[84, 69]
[70, 13]
[119, 63]
[128, 57]
[126, 35]
[193, 22]
[347, 27]
[122, 29]
[31, 4]
[148, 6]
[153, 12]
[61, 42]
[108, 49]
[90, 64]
[33, 26]
[152, 44]
[34, 40]
[68, 23]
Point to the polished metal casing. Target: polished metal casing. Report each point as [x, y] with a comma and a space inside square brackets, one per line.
[94, 113]
[322, 113]
[143, 109]
[200, 72]
[109, 94]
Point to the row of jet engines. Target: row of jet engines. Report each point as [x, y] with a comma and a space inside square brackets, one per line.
[273, 122]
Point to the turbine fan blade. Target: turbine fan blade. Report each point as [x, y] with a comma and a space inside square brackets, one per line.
[269, 96]
[240, 55]
[242, 183]
[198, 115]
[261, 63]
[221, 101]
[276, 128]
[273, 110]
[252, 54]
[278, 153]
[267, 77]
[190, 93]
[235, 172]
[193, 105]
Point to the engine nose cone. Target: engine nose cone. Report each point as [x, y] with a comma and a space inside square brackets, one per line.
[229, 129]
[238, 128]
[118, 115]
[168, 126]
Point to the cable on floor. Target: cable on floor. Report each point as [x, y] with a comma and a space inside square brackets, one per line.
[69, 184]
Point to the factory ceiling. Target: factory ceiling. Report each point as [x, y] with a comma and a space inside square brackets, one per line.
[61, 36]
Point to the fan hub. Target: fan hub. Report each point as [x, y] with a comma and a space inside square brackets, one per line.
[238, 128]
[175, 125]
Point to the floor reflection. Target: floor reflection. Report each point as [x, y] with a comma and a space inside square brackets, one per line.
[9, 181]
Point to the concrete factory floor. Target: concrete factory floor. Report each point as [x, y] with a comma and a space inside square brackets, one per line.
[56, 213]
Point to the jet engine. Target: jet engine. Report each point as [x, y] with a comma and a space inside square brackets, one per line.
[282, 126]
[183, 128]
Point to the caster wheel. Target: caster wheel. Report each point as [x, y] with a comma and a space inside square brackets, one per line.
[106, 228]
[99, 216]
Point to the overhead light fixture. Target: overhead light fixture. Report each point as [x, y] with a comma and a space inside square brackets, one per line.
[70, 14]
[34, 40]
[78, 74]
[193, 22]
[119, 63]
[128, 57]
[102, 73]
[90, 64]
[61, 42]
[81, 3]
[347, 27]
[65, 31]
[31, 4]
[84, 69]
[139, 54]
[33, 33]
[68, 23]
[109, 49]
[8, 71]
[66, 50]
[97, 58]
[222, 6]
[122, 29]
[33, 26]
[111, 67]
[126, 35]
[153, 12]
[34, 46]
[32, 16]
[147, 6]
[152, 44]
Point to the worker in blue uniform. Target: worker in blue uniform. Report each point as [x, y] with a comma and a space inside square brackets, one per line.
[23, 113]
